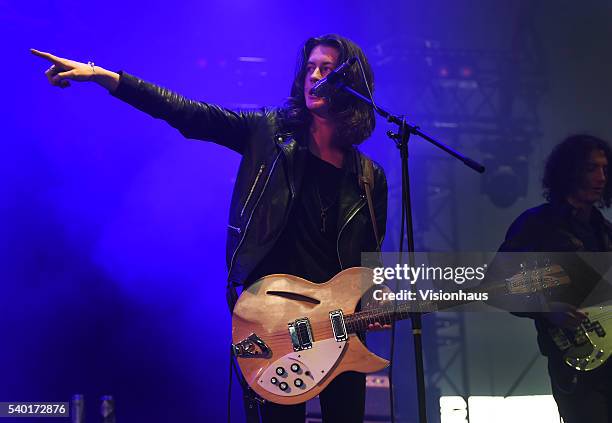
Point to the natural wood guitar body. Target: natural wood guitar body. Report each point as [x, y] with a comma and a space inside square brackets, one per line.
[266, 308]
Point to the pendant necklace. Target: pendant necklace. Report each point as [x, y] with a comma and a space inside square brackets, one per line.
[324, 208]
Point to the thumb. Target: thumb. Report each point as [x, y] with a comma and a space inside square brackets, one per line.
[62, 75]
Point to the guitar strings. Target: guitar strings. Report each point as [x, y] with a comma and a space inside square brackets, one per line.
[360, 319]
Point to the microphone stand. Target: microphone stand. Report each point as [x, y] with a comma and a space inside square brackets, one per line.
[401, 138]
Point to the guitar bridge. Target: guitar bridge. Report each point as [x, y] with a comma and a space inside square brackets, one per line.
[301, 334]
[251, 347]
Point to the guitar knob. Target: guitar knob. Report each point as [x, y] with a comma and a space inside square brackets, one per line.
[280, 371]
[295, 367]
[283, 386]
[298, 383]
[274, 380]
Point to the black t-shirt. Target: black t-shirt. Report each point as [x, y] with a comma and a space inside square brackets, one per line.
[591, 233]
[307, 246]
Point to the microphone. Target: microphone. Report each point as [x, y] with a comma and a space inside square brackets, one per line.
[326, 86]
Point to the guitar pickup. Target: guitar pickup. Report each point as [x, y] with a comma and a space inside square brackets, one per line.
[595, 326]
[599, 330]
[560, 339]
[337, 323]
[301, 334]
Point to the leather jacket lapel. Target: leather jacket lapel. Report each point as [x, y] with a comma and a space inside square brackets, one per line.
[295, 155]
[350, 193]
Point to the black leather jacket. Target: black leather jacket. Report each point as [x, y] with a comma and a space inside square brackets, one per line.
[268, 178]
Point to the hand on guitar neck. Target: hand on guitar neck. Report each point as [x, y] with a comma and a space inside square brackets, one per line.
[368, 303]
[378, 326]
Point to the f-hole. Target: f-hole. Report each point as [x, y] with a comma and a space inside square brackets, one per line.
[294, 296]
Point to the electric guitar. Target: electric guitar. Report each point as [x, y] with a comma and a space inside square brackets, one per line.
[292, 337]
[588, 346]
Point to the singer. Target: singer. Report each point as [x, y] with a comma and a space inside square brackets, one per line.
[298, 204]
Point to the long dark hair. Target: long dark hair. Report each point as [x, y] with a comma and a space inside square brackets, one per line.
[355, 119]
[566, 166]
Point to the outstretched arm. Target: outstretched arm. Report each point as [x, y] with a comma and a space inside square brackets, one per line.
[194, 119]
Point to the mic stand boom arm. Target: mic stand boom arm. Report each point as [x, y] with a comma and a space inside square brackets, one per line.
[414, 130]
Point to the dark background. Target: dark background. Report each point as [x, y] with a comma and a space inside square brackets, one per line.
[113, 226]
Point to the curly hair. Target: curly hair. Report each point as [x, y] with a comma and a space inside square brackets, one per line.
[355, 119]
[566, 166]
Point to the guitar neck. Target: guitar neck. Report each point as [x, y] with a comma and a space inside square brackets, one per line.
[361, 320]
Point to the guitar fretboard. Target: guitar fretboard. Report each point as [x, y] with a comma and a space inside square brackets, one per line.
[360, 320]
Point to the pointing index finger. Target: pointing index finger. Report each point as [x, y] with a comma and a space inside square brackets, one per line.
[54, 59]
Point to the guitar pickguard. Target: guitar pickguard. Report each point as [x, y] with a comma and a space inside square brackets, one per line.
[300, 371]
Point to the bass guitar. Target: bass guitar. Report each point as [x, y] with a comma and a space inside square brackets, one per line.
[589, 346]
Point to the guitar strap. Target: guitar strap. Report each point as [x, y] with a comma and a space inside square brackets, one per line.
[366, 182]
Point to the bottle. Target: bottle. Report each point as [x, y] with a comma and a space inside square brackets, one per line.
[107, 409]
[77, 409]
